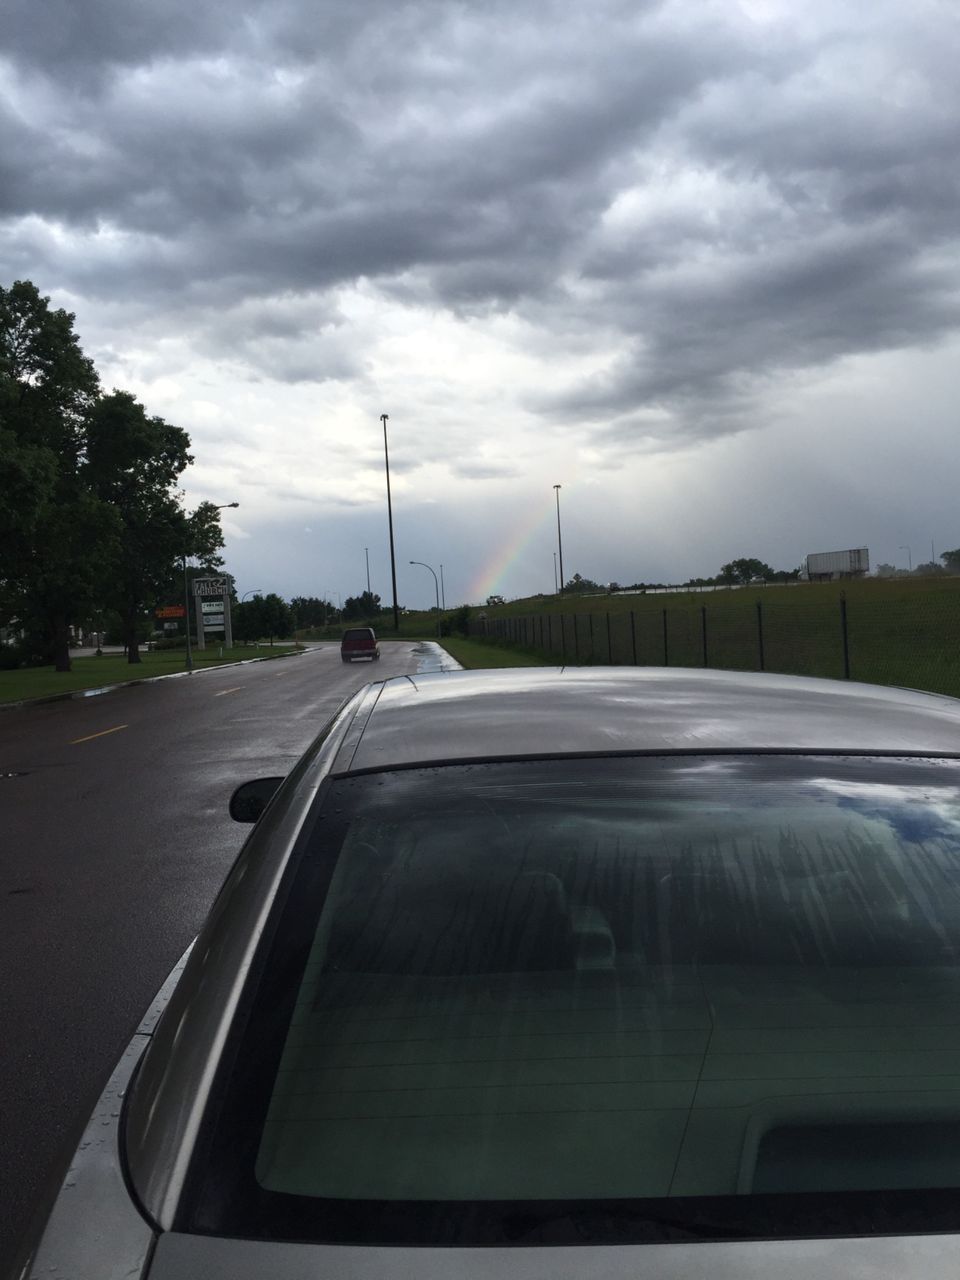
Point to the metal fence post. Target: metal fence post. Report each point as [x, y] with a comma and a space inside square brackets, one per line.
[760, 634]
[703, 632]
[846, 639]
[666, 650]
[609, 643]
[633, 637]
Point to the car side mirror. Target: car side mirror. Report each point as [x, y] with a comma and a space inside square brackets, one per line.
[251, 798]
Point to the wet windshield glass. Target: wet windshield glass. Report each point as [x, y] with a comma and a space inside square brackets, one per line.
[635, 982]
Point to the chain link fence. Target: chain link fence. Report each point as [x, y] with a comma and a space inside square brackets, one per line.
[908, 640]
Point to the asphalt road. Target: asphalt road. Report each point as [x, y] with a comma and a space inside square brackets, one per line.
[114, 839]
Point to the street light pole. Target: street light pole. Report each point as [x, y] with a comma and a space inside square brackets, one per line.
[393, 562]
[436, 585]
[557, 488]
[555, 589]
[443, 594]
[366, 552]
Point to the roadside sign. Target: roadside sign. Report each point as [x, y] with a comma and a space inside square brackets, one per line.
[213, 622]
[211, 606]
[210, 587]
[170, 611]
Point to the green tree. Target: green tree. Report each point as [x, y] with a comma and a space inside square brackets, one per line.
[366, 605]
[271, 616]
[745, 570]
[951, 560]
[310, 611]
[134, 463]
[245, 620]
[578, 584]
[929, 569]
[57, 535]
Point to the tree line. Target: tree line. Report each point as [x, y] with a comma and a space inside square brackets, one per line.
[735, 573]
[271, 617]
[90, 514]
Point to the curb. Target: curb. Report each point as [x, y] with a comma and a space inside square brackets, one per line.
[126, 684]
[435, 653]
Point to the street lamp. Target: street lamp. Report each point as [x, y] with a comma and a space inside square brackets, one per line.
[557, 488]
[393, 563]
[443, 594]
[436, 585]
[555, 587]
[186, 592]
[904, 547]
[366, 552]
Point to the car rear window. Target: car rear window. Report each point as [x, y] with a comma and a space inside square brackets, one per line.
[602, 1000]
[358, 633]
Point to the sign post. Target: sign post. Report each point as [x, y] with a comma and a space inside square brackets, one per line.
[212, 601]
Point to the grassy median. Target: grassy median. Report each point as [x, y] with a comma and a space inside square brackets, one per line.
[476, 654]
[113, 668]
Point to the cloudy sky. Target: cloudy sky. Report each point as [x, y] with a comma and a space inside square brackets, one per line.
[697, 262]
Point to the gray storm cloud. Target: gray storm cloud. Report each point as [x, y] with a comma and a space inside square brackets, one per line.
[707, 200]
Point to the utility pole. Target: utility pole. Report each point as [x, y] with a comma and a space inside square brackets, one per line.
[557, 488]
[366, 552]
[393, 561]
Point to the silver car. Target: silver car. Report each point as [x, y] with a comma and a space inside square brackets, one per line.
[583, 973]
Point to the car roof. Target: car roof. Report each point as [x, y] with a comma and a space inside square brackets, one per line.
[447, 716]
[470, 715]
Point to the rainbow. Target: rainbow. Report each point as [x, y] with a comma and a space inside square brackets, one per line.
[510, 549]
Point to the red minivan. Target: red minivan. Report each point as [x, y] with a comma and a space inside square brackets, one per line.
[359, 642]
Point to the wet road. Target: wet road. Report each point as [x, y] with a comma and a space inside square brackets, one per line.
[114, 839]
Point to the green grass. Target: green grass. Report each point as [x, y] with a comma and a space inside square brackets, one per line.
[475, 654]
[900, 631]
[92, 673]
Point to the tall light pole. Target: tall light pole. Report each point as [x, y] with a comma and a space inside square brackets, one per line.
[436, 585]
[393, 562]
[366, 552]
[557, 488]
[555, 587]
[904, 547]
[186, 592]
[443, 594]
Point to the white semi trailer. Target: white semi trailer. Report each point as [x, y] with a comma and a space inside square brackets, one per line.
[825, 566]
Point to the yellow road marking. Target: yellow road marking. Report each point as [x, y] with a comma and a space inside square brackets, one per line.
[223, 691]
[116, 729]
